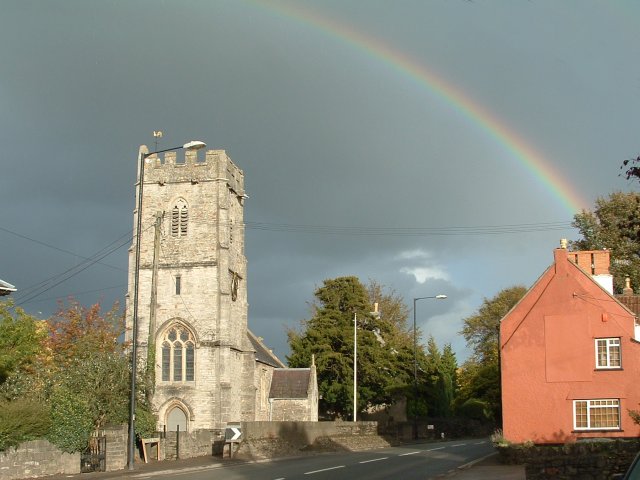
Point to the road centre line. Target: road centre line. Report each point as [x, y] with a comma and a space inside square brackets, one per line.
[324, 470]
[410, 453]
[480, 443]
[432, 449]
[459, 445]
[374, 460]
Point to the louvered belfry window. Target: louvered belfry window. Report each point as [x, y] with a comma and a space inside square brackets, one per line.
[179, 219]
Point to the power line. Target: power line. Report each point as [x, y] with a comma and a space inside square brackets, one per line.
[30, 293]
[53, 247]
[76, 294]
[403, 231]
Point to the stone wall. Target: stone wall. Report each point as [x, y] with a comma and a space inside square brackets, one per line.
[277, 439]
[597, 460]
[305, 433]
[199, 443]
[285, 408]
[435, 428]
[37, 458]
[117, 436]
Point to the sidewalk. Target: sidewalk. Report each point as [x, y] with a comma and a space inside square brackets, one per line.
[489, 468]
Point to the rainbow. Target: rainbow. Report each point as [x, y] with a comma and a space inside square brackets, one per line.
[513, 143]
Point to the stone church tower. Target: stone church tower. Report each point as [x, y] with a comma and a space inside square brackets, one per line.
[192, 307]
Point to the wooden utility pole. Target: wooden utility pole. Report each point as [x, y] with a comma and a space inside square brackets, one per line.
[154, 278]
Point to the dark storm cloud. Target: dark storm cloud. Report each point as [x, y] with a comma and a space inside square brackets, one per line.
[327, 134]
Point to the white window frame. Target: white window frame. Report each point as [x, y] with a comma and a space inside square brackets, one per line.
[609, 343]
[596, 404]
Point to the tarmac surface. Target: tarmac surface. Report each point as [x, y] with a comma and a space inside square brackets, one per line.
[487, 468]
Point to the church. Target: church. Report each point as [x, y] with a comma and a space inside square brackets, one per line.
[209, 368]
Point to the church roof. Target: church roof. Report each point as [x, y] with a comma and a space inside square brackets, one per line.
[263, 354]
[290, 383]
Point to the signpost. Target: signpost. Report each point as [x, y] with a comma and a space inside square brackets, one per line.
[232, 434]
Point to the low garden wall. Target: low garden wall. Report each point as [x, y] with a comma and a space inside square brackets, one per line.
[436, 429]
[595, 460]
[37, 458]
[259, 440]
[305, 433]
[276, 439]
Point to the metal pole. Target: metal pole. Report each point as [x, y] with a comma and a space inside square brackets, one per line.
[415, 362]
[355, 366]
[415, 373]
[134, 326]
[193, 145]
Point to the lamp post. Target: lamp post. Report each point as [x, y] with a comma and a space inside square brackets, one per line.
[376, 314]
[192, 145]
[355, 367]
[415, 362]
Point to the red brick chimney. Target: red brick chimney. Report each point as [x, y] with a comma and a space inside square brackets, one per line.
[596, 262]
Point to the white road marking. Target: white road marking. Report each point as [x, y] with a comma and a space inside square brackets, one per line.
[410, 453]
[432, 449]
[459, 445]
[374, 460]
[480, 443]
[324, 470]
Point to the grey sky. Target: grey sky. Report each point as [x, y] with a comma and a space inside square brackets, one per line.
[328, 134]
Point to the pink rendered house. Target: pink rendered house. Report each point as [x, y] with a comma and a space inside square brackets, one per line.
[570, 356]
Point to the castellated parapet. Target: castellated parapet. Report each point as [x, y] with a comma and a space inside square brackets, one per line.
[190, 167]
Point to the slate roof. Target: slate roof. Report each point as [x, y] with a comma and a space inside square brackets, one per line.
[290, 383]
[263, 354]
[6, 288]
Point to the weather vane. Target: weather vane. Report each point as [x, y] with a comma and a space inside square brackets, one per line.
[157, 135]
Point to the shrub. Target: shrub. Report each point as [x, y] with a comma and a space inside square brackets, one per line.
[498, 440]
[145, 422]
[475, 409]
[71, 423]
[22, 420]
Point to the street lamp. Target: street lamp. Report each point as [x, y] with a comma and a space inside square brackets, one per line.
[415, 363]
[376, 314]
[192, 145]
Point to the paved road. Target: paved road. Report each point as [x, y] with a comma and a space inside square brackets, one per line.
[421, 461]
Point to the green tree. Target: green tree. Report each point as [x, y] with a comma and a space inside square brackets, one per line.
[91, 381]
[437, 379]
[382, 345]
[449, 364]
[446, 382]
[614, 225]
[74, 367]
[479, 378]
[21, 338]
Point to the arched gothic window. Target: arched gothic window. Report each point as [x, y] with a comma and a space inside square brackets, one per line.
[177, 355]
[179, 219]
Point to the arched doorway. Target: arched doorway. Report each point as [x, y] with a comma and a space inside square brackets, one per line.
[176, 418]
